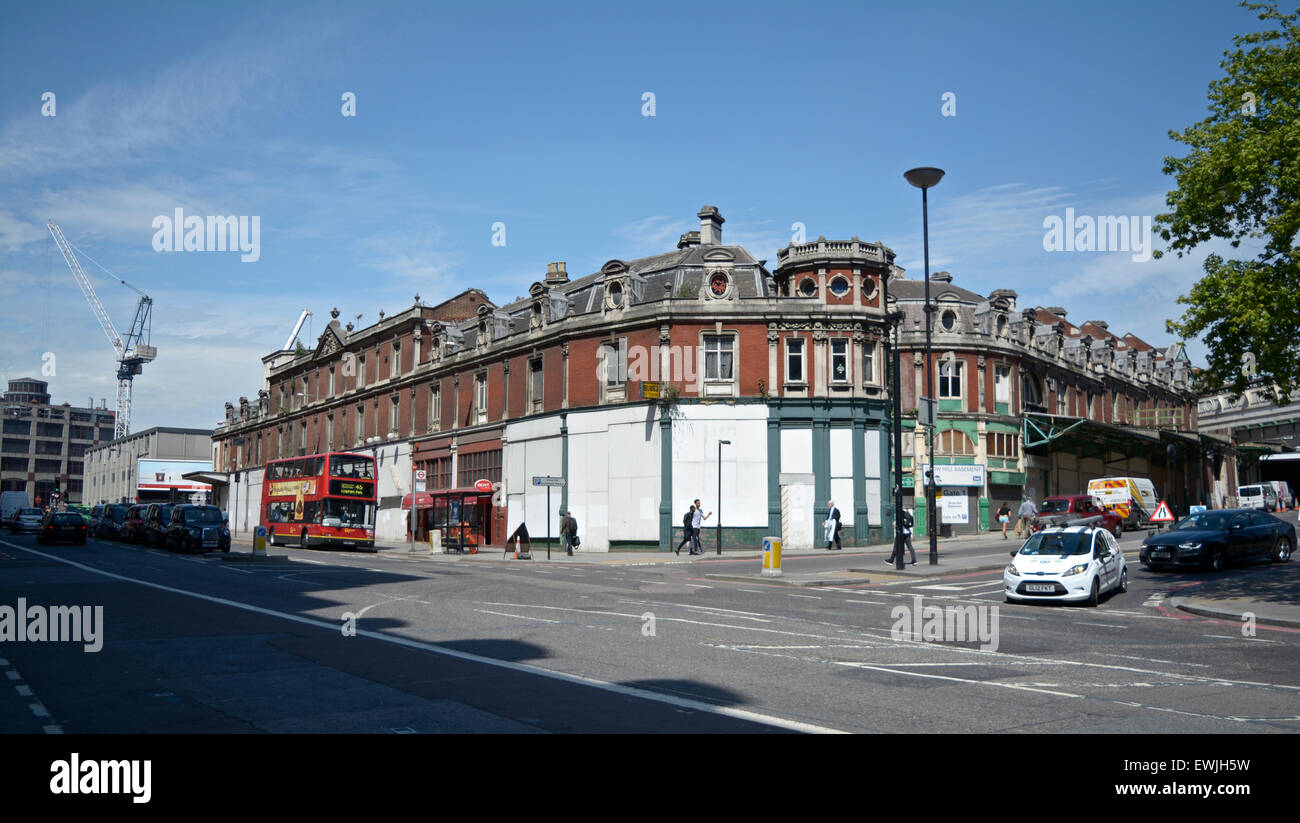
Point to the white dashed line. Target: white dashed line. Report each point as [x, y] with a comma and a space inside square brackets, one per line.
[23, 691]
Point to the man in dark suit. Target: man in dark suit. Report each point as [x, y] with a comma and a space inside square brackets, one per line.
[833, 528]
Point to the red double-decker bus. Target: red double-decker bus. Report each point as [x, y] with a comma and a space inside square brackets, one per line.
[320, 500]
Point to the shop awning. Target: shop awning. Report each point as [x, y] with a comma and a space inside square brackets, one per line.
[424, 500]
[211, 478]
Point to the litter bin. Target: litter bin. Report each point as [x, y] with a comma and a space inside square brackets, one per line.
[945, 530]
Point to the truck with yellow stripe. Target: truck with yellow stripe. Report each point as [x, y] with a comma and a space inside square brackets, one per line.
[1132, 498]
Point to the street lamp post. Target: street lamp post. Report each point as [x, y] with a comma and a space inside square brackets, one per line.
[895, 317]
[721, 443]
[925, 178]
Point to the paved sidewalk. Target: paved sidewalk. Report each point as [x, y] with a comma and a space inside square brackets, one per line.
[1236, 608]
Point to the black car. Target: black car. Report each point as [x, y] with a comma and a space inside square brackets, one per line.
[111, 519]
[57, 527]
[199, 528]
[156, 520]
[1214, 539]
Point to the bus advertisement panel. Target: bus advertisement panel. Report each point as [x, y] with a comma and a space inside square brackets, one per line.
[320, 500]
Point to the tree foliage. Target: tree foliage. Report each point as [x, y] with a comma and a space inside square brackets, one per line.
[1239, 180]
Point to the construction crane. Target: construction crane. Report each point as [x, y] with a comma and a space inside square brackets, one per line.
[288, 344]
[133, 351]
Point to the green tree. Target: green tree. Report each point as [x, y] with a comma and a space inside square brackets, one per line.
[1241, 179]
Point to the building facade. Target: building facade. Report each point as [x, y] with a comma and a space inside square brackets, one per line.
[44, 445]
[1030, 403]
[127, 470]
[697, 373]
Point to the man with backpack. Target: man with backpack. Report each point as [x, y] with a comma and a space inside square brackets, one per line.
[688, 530]
[697, 525]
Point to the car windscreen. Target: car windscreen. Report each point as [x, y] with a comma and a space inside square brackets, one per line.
[1058, 544]
[30, 512]
[1203, 521]
[203, 517]
[1053, 506]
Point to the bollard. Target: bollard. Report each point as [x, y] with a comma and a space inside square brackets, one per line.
[259, 541]
[771, 556]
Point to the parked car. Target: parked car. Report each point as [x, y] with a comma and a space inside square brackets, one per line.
[1215, 539]
[1078, 563]
[198, 528]
[84, 511]
[1076, 510]
[156, 520]
[132, 528]
[25, 520]
[57, 527]
[111, 520]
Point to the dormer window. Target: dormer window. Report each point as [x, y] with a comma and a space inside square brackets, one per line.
[616, 295]
[948, 319]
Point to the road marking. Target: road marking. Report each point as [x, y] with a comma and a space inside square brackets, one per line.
[38, 710]
[233, 569]
[1230, 637]
[575, 679]
[869, 602]
[519, 616]
[1103, 625]
[968, 680]
[753, 591]
[13, 675]
[53, 729]
[806, 596]
[24, 691]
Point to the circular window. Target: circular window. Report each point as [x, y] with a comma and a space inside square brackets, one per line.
[868, 287]
[808, 287]
[839, 287]
[616, 294]
[948, 320]
[718, 284]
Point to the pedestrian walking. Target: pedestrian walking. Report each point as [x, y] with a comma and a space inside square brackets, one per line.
[1025, 516]
[697, 523]
[1004, 517]
[688, 529]
[568, 531]
[833, 527]
[907, 521]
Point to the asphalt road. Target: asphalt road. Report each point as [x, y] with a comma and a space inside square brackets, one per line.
[192, 643]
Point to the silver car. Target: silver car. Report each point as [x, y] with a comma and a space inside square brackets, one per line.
[26, 520]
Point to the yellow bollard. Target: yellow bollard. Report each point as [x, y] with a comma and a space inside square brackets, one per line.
[772, 557]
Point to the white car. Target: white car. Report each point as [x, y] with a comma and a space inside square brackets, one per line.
[1073, 564]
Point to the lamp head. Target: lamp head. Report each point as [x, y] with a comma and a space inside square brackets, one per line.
[924, 177]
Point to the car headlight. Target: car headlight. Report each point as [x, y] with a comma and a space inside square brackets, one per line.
[1192, 545]
[1011, 570]
[1079, 569]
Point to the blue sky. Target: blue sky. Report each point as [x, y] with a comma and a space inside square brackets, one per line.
[531, 115]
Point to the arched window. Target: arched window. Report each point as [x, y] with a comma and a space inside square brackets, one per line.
[1031, 389]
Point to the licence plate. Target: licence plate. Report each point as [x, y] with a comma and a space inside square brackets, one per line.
[1039, 587]
[1162, 555]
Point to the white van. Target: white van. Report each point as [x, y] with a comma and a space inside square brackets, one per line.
[1132, 498]
[1259, 496]
[1283, 492]
[11, 502]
